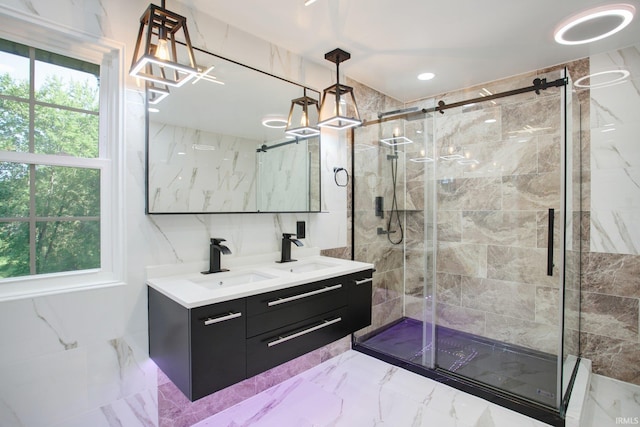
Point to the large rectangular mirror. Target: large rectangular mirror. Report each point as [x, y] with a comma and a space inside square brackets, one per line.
[217, 145]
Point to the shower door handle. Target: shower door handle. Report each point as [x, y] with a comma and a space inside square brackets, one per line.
[550, 243]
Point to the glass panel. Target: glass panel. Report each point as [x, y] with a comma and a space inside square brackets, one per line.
[14, 126]
[14, 83]
[499, 173]
[67, 192]
[573, 243]
[14, 70]
[14, 190]
[64, 132]
[14, 249]
[65, 85]
[393, 217]
[67, 246]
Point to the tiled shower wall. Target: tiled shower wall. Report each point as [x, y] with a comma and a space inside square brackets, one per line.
[486, 298]
[492, 214]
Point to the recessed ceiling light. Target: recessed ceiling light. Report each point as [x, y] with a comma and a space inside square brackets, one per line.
[612, 77]
[426, 76]
[594, 24]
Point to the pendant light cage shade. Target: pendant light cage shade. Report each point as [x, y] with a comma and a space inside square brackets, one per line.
[338, 109]
[157, 57]
[303, 117]
[156, 92]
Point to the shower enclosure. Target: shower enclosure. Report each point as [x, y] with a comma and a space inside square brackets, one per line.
[471, 216]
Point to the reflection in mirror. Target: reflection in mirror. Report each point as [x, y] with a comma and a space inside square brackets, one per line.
[217, 145]
[286, 173]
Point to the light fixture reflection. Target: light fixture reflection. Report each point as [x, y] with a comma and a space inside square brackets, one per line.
[303, 117]
[613, 77]
[156, 92]
[396, 140]
[274, 122]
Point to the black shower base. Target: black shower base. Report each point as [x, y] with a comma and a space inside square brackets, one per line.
[511, 376]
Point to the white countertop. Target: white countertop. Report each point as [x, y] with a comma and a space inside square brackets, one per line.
[184, 283]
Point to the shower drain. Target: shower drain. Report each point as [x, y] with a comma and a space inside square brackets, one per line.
[546, 393]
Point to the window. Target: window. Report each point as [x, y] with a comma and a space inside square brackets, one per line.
[60, 172]
[49, 214]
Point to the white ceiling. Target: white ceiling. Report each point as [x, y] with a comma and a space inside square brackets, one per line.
[464, 42]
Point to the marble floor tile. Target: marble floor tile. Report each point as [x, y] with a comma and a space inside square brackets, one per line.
[611, 403]
[354, 390]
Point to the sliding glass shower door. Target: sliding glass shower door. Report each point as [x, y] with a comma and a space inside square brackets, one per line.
[463, 214]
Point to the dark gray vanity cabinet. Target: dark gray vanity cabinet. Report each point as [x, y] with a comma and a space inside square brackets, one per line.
[201, 350]
[205, 349]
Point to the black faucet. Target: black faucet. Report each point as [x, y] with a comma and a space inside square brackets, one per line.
[215, 249]
[286, 247]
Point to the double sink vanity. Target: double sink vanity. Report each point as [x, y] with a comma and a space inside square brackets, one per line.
[207, 332]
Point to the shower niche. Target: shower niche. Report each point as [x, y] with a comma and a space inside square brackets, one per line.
[475, 246]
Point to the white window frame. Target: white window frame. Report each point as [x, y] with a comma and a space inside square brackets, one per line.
[49, 36]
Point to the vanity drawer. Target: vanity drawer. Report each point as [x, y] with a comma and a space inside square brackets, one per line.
[276, 347]
[274, 310]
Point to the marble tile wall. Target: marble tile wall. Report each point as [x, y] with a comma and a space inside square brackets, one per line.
[491, 262]
[492, 199]
[611, 259]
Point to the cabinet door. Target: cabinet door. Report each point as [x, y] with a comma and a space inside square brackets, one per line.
[218, 347]
[360, 300]
[169, 338]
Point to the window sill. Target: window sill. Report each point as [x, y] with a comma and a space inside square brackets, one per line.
[47, 285]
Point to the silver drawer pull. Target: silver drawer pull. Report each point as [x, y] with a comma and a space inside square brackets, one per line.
[362, 282]
[211, 321]
[324, 324]
[308, 294]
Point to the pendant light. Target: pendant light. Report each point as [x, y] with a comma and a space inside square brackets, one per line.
[156, 92]
[338, 109]
[156, 56]
[303, 117]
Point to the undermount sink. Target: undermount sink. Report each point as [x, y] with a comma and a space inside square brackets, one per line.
[220, 280]
[306, 267]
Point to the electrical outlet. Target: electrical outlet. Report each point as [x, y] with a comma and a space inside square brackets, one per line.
[300, 229]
